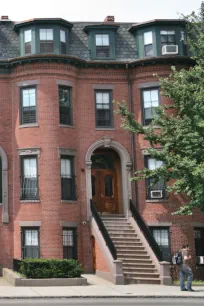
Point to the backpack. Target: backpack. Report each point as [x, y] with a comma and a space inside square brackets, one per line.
[177, 258]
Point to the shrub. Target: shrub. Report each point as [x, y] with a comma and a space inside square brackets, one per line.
[50, 268]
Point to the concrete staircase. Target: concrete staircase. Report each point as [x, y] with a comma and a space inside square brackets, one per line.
[138, 267]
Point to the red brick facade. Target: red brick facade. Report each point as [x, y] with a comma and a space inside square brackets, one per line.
[48, 136]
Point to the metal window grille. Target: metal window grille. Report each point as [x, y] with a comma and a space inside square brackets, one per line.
[103, 109]
[30, 243]
[161, 235]
[65, 105]
[29, 179]
[28, 106]
[150, 103]
[102, 45]
[152, 164]
[68, 187]
[69, 243]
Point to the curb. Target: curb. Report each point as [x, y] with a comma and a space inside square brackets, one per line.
[100, 297]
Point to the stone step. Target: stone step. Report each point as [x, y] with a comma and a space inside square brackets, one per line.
[139, 280]
[127, 244]
[130, 247]
[127, 241]
[118, 216]
[118, 228]
[131, 252]
[132, 256]
[116, 222]
[141, 275]
[138, 269]
[137, 261]
[121, 231]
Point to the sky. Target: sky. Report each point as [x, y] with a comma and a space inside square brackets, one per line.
[95, 10]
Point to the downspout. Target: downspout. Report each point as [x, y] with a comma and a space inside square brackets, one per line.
[133, 147]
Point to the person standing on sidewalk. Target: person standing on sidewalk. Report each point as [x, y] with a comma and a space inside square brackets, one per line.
[185, 270]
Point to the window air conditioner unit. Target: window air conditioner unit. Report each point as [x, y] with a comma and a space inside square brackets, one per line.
[201, 260]
[169, 49]
[156, 194]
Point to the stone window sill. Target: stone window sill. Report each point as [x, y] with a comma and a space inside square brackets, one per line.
[28, 125]
[66, 126]
[104, 129]
[29, 201]
[69, 201]
[157, 201]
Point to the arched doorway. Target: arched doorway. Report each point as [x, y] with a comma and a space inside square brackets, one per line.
[106, 181]
[125, 192]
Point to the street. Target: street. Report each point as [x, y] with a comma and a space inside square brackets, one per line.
[105, 301]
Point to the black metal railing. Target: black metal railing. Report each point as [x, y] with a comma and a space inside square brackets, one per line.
[146, 231]
[29, 188]
[103, 231]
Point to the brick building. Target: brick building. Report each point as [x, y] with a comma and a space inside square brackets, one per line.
[61, 146]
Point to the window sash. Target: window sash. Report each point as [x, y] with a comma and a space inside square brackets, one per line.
[103, 109]
[69, 243]
[102, 40]
[68, 187]
[65, 105]
[150, 101]
[28, 105]
[161, 235]
[29, 178]
[30, 243]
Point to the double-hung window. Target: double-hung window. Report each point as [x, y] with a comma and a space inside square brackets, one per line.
[104, 114]
[161, 235]
[30, 243]
[65, 105]
[150, 101]
[168, 38]
[29, 178]
[28, 105]
[154, 190]
[148, 44]
[102, 45]
[46, 41]
[69, 243]
[68, 188]
[63, 44]
[27, 42]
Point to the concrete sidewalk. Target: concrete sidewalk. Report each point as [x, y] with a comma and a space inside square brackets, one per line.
[97, 288]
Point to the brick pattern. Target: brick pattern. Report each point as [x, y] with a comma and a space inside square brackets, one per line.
[48, 135]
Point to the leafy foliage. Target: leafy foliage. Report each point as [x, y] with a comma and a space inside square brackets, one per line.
[50, 268]
[181, 133]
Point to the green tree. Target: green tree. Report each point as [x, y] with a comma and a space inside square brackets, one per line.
[181, 133]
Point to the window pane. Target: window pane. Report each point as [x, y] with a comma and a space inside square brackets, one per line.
[106, 97]
[66, 167]
[27, 36]
[62, 36]
[29, 97]
[148, 38]
[151, 164]
[49, 34]
[68, 238]
[31, 238]
[99, 40]
[105, 38]
[42, 34]
[30, 167]
[99, 97]
[161, 236]
[25, 98]
[147, 96]
[64, 94]
[154, 95]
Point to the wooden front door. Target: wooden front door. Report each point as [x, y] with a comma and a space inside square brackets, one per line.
[104, 190]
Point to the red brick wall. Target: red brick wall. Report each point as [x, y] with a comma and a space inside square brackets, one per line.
[49, 136]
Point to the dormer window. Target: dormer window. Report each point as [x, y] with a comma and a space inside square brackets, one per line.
[148, 44]
[168, 38]
[63, 44]
[46, 41]
[102, 45]
[27, 41]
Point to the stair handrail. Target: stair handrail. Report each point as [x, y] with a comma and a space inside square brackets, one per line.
[146, 231]
[103, 231]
